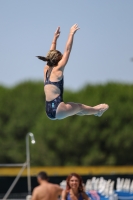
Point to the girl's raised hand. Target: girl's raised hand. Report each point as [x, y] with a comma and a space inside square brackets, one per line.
[57, 32]
[74, 28]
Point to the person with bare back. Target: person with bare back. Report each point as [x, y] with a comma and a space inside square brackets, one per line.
[56, 108]
[46, 190]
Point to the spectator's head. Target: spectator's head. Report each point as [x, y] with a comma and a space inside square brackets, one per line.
[74, 181]
[42, 176]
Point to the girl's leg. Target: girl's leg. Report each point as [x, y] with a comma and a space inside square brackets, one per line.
[69, 109]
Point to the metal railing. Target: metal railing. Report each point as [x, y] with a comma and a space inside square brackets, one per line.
[23, 166]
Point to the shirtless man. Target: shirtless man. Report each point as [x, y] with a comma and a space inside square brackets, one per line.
[45, 191]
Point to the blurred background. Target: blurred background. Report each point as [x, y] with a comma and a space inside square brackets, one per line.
[99, 70]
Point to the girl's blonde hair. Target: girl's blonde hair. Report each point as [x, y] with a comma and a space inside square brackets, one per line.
[52, 58]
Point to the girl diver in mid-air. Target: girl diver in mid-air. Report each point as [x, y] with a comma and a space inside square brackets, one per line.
[53, 83]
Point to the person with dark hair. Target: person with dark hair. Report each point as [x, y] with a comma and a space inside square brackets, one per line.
[42, 176]
[53, 83]
[46, 190]
[74, 188]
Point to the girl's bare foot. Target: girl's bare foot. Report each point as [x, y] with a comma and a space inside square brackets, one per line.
[102, 109]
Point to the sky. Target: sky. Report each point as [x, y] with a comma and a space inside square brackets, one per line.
[102, 50]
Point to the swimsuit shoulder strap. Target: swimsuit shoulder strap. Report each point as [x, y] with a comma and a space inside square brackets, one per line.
[47, 77]
[81, 196]
[68, 196]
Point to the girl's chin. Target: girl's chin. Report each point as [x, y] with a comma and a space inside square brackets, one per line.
[74, 187]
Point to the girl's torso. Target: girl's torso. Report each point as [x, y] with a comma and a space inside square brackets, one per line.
[53, 82]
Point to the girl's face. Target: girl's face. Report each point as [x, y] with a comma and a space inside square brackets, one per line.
[74, 182]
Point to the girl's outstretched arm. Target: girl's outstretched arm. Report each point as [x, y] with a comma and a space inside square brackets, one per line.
[68, 47]
[56, 35]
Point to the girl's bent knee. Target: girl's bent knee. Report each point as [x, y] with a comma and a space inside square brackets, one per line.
[80, 107]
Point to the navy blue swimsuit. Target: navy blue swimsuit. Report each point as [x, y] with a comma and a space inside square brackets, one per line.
[51, 106]
[69, 198]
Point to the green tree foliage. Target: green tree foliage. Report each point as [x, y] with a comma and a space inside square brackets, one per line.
[86, 140]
